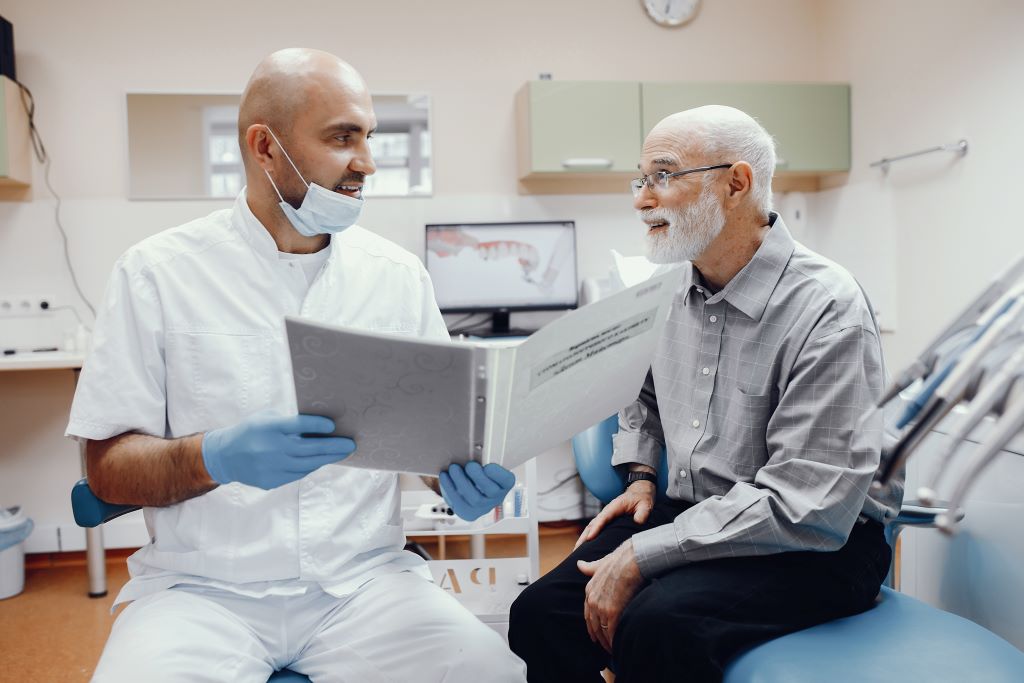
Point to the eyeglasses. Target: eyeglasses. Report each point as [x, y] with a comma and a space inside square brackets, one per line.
[659, 181]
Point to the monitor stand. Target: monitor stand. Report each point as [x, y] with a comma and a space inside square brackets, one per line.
[500, 327]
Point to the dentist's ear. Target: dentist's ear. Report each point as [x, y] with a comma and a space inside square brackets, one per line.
[259, 145]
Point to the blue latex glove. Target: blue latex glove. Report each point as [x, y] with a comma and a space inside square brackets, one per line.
[268, 450]
[476, 490]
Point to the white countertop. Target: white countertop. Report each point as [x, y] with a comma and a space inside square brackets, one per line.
[42, 360]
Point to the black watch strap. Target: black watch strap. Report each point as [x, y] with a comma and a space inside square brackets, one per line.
[641, 476]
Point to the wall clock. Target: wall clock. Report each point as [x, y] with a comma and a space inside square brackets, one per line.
[671, 12]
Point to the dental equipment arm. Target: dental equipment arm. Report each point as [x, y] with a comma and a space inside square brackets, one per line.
[924, 363]
[1008, 426]
[982, 404]
[935, 402]
[939, 379]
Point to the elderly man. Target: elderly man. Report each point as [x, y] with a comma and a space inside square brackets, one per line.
[758, 392]
[264, 553]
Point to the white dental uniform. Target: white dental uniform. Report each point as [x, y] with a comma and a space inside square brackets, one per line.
[191, 338]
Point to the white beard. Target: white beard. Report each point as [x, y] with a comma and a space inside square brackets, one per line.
[691, 229]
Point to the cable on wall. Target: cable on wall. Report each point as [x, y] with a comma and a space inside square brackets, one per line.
[40, 151]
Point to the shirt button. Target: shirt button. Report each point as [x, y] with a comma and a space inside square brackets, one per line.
[713, 318]
[706, 371]
[682, 474]
[695, 423]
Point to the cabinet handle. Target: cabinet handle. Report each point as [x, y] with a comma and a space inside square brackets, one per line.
[587, 163]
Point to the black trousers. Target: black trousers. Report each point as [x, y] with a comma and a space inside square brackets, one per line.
[689, 623]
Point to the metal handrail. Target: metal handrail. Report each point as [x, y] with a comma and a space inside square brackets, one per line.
[959, 148]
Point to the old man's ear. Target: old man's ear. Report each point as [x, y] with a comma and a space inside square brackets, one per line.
[741, 178]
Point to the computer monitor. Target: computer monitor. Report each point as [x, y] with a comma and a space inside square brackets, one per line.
[502, 267]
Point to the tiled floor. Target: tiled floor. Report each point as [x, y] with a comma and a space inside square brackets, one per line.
[54, 633]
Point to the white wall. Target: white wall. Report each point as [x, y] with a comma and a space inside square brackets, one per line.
[80, 59]
[925, 73]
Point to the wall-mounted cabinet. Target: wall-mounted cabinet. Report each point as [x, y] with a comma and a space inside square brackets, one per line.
[578, 132]
[15, 147]
[809, 121]
[586, 136]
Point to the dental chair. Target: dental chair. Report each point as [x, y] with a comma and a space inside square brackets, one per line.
[899, 639]
[90, 512]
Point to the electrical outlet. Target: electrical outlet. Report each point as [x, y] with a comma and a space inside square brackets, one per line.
[25, 306]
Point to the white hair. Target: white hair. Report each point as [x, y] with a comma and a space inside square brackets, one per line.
[729, 135]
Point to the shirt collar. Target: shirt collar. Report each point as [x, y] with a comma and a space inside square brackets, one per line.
[254, 232]
[246, 223]
[751, 288]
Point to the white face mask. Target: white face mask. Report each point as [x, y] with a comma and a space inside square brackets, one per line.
[323, 212]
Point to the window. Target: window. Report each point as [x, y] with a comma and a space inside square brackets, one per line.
[401, 147]
[222, 159]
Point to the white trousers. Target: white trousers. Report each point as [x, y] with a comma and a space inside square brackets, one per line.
[397, 628]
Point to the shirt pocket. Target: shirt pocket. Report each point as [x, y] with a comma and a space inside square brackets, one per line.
[216, 379]
[181, 528]
[753, 374]
[752, 413]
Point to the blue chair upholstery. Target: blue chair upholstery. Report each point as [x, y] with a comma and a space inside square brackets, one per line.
[899, 639]
[90, 512]
[592, 449]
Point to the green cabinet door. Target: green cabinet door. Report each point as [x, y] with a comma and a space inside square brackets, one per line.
[581, 127]
[809, 121]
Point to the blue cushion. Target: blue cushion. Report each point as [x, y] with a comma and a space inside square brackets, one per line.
[592, 449]
[287, 676]
[900, 639]
[90, 511]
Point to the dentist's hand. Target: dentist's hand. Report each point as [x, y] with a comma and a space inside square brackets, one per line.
[268, 450]
[476, 490]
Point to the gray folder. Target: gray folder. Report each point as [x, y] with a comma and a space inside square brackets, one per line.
[418, 406]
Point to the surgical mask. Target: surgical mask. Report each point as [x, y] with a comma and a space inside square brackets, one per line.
[323, 211]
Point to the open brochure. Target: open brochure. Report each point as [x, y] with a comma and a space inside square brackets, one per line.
[418, 406]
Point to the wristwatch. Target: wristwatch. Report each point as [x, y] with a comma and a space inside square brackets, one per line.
[641, 476]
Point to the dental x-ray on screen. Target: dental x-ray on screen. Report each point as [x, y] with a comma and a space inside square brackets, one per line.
[511, 266]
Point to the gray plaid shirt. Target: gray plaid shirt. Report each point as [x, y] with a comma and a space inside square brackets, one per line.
[759, 392]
